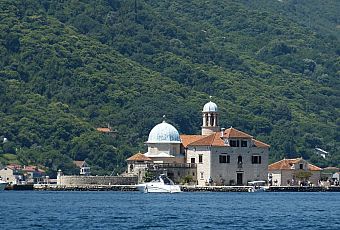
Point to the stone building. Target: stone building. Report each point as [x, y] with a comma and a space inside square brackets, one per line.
[293, 172]
[221, 157]
[12, 174]
[225, 157]
[138, 165]
[228, 157]
[84, 168]
[17, 174]
[165, 155]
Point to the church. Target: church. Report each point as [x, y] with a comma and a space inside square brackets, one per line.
[215, 157]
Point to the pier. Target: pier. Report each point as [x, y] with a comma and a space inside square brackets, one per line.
[303, 189]
[54, 187]
[185, 188]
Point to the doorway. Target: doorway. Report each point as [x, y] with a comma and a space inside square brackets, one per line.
[239, 179]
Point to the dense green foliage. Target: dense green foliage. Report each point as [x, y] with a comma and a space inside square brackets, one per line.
[322, 16]
[68, 67]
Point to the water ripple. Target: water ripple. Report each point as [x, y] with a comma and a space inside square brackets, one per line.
[132, 210]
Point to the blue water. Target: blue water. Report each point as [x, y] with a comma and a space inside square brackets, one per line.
[133, 210]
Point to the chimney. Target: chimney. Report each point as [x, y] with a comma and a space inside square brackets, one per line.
[222, 131]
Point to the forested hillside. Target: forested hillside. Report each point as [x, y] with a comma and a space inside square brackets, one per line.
[320, 16]
[67, 67]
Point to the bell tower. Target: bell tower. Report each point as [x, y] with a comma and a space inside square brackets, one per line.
[210, 119]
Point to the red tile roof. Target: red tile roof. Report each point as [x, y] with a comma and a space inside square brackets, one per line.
[286, 164]
[32, 168]
[234, 133]
[104, 130]
[139, 157]
[14, 166]
[211, 140]
[188, 139]
[28, 168]
[216, 140]
[260, 144]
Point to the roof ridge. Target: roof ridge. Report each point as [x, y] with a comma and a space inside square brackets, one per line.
[228, 131]
[205, 138]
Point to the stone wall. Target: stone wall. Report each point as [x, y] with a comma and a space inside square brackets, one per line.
[97, 180]
[204, 168]
[225, 173]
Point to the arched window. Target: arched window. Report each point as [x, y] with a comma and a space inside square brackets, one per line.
[239, 159]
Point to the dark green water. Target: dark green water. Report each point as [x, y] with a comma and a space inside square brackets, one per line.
[133, 210]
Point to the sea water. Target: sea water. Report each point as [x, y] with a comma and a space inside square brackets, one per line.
[200, 210]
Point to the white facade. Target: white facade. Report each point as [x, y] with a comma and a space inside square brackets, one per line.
[164, 144]
[8, 175]
[228, 165]
[210, 122]
[228, 157]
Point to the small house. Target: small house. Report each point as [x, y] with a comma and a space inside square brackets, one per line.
[84, 168]
[294, 172]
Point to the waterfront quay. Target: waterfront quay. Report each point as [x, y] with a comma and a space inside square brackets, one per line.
[184, 188]
[84, 187]
[270, 189]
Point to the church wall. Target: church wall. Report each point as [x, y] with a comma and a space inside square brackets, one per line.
[203, 169]
[227, 172]
[136, 167]
[172, 149]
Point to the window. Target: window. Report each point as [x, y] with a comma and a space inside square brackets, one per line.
[202, 175]
[239, 159]
[224, 159]
[234, 143]
[244, 143]
[301, 166]
[193, 160]
[200, 158]
[239, 162]
[256, 159]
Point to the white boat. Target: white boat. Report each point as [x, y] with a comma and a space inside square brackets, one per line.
[2, 185]
[257, 186]
[161, 184]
